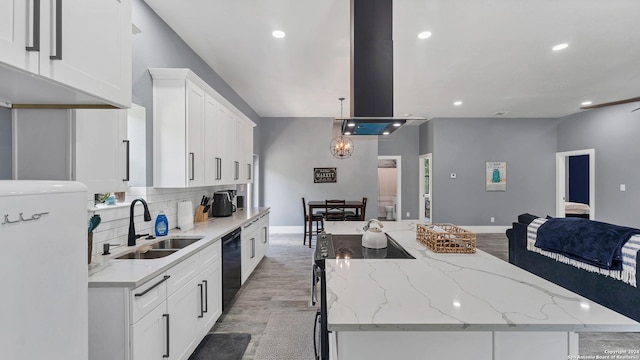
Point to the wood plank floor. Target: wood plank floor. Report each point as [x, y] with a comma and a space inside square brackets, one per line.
[282, 280]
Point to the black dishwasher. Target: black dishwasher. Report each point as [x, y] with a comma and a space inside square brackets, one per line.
[231, 266]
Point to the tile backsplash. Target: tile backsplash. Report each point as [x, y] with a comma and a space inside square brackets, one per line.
[114, 227]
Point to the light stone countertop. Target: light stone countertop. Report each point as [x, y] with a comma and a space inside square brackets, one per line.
[106, 271]
[452, 292]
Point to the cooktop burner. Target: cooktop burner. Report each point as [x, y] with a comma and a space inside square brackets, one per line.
[350, 247]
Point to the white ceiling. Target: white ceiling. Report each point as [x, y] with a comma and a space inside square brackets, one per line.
[494, 55]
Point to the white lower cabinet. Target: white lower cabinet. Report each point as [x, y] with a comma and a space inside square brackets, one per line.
[165, 318]
[255, 242]
[250, 238]
[184, 308]
[211, 299]
[150, 335]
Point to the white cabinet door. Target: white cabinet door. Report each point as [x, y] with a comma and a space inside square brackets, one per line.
[184, 308]
[87, 45]
[101, 150]
[211, 279]
[264, 235]
[250, 238]
[84, 45]
[248, 152]
[149, 335]
[16, 35]
[195, 134]
[212, 144]
[225, 138]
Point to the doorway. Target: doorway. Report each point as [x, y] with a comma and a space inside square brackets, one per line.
[389, 188]
[425, 188]
[575, 183]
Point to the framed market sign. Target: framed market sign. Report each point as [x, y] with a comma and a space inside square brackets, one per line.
[324, 175]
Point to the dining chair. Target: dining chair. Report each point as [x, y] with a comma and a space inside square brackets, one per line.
[334, 210]
[359, 215]
[318, 219]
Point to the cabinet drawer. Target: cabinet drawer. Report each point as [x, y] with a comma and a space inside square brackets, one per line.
[146, 297]
[251, 226]
[212, 253]
[181, 274]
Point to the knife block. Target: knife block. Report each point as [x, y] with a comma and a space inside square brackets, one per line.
[201, 216]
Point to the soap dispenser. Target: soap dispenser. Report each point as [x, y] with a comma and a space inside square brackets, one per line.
[162, 225]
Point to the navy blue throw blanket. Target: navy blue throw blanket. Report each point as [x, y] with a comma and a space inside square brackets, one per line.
[592, 242]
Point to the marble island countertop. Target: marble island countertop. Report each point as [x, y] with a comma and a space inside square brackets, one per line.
[449, 292]
[107, 271]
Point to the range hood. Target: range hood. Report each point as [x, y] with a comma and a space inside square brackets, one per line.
[371, 70]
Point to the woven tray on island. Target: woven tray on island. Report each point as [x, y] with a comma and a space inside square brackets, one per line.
[446, 238]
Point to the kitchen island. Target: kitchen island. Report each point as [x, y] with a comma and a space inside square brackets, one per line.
[452, 306]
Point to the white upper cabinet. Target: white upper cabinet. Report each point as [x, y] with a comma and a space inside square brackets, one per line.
[195, 139]
[102, 149]
[83, 46]
[243, 145]
[86, 145]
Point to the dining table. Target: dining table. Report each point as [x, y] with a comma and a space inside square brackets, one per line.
[357, 205]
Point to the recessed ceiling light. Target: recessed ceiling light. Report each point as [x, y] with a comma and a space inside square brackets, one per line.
[385, 133]
[457, 103]
[347, 133]
[396, 124]
[351, 124]
[560, 47]
[278, 34]
[424, 35]
[585, 103]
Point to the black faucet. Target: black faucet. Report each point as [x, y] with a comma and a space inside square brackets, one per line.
[132, 230]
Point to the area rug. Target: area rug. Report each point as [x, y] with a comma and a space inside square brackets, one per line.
[223, 346]
[288, 336]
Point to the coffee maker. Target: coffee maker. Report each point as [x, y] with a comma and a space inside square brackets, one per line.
[223, 203]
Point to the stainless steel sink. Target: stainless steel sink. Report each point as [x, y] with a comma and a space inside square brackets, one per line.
[150, 254]
[176, 242]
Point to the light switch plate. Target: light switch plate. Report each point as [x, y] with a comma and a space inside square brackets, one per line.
[623, 187]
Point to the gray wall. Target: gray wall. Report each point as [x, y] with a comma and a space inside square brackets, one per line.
[5, 144]
[613, 133]
[158, 46]
[426, 138]
[406, 143]
[462, 146]
[292, 147]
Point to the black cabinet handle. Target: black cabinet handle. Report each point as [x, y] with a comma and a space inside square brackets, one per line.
[201, 302]
[219, 168]
[36, 27]
[128, 154]
[253, 247]
[192, 157]
[237, 170]
[248, 171]
[154, 286]
[58, 55]
[266, 235]
[206, 296]
[167, 354]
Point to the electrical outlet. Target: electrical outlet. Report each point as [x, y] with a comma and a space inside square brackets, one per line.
[623, 187]
[454, 175]
[493, 219]
[408, 214]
